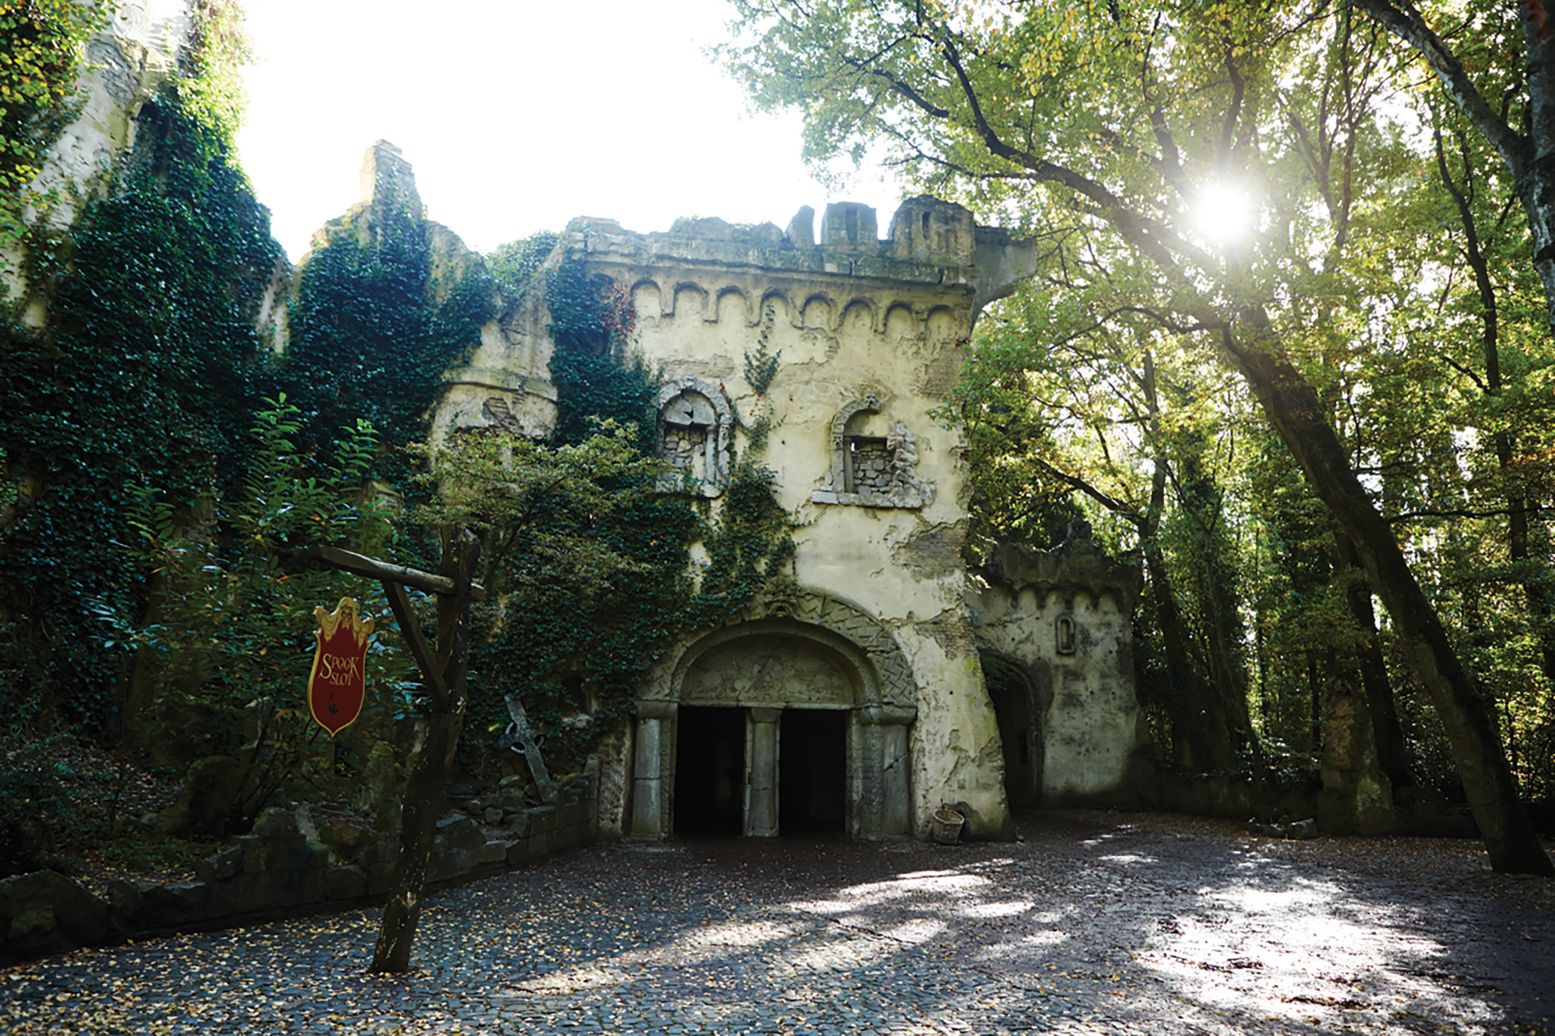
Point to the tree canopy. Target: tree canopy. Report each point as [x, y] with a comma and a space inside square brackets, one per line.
[1264, 239]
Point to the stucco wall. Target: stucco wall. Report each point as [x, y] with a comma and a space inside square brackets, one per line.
[854, 321]
[1084, 700]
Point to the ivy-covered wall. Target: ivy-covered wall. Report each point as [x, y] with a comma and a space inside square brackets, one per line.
[147, 374]
[384, 305]
[575, 657]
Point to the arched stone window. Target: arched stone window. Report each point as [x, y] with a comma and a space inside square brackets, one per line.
[694, 425]
[872, 470]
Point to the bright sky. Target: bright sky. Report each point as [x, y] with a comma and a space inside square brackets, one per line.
[516, 116]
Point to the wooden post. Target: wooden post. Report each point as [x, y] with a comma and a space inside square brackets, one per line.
[443, 672]
[433, 763]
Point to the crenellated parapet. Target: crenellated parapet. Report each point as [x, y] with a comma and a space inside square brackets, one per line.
[936, 259]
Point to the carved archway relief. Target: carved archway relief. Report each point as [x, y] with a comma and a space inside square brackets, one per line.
[838, 629]
[826, 639]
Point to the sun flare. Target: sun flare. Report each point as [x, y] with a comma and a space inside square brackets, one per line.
[1224, 214]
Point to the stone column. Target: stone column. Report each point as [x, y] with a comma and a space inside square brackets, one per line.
[761, 789]
[653, 770]
[886, 809]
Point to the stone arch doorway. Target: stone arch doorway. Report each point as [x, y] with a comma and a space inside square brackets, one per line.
[805, 714]
[1019, 714]
[761, 734]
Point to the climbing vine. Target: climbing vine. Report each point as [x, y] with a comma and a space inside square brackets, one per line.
[751, 546]
[514, 264]
[42, 43]
[374, 327]
[147, 374]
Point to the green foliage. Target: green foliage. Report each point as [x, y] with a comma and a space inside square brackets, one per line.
[211, 81]
[1017, 492]
[42, 43]
[146, 375]
[590, 562]
[36, 804]
[591, 323]
[514, 264]
[761, 363]
[1117, 136]
[373, 330]
[585, 562]
[228, 644]
[750, 548]
[590, 559]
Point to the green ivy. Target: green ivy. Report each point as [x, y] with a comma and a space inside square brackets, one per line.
[372, 333]
[147, 374]
[514, 264]
[591, 321]
[751, 547]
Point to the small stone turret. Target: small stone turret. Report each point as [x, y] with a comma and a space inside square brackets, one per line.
[849, 227]
[928, 230]
[388, 183]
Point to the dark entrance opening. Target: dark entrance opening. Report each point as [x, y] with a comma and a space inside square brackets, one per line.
[710, 771]
[812, 771]
[1018, 734]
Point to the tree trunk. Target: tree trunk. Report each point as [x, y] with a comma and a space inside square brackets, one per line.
[1392, 755]
[423, 805]
[1200, 740]
[433, 764]
[1292, 407]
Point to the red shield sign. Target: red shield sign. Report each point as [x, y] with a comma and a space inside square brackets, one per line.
[338, 683]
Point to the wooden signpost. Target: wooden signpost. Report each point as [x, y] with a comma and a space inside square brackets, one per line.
[443, 672]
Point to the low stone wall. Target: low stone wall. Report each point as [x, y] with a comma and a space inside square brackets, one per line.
[289, 865]
[1230, 796]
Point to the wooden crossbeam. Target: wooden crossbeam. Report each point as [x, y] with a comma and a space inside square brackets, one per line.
[372, 568]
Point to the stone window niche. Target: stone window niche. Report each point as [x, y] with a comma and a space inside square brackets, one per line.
[872, 470]
[694, 426]
[1064, 637]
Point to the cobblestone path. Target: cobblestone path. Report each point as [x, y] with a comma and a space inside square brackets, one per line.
[1095, 923]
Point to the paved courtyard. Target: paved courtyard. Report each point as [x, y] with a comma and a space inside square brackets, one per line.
[1095, 923]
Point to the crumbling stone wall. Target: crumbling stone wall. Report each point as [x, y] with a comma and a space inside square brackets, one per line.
[1063, 619]
[852, 318]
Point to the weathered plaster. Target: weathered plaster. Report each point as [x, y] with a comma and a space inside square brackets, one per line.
[870, 332]
[1082, 701]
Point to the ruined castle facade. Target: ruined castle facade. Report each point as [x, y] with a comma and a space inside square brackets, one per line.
[896, 681]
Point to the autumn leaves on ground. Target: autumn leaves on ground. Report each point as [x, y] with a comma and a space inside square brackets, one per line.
[1095, 923]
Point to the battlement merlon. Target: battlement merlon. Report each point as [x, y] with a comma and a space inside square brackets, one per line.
[932, 243]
